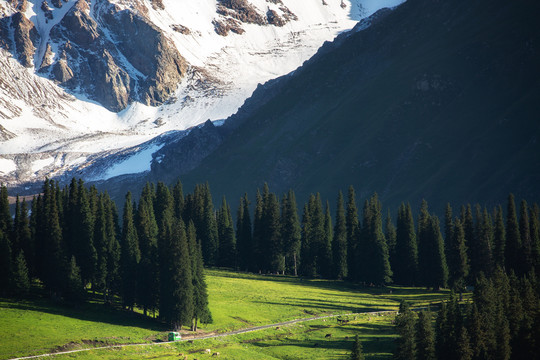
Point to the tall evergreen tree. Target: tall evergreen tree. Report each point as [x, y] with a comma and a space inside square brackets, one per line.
[5, 263]
[457, 255]
[180, 292]
[481, 248]
[201, 312]
[226, 237]
[178, 196]
[325, 254]
[208, 228]
[425, 337]
[74, 285]
[20, 278]
[257, 233]
[406, 342]
[52, 249]
[85, 251]
[353, 233]
[130, 255]
[390, 234]
[243, 235]
[513, 238]
[339, 244]
[23, 234]
[148, 269]
[528, 261]
[290, 232]
[432, 258]
[405, 264]
[425, 244]
[535, 238]
[5, 215]
[375, 258]
[271, 241]
[357, 353]
[499, 239]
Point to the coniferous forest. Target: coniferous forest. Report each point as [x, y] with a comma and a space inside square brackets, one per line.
[71, 238]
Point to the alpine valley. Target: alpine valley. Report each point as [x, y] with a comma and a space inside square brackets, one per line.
[430, 99]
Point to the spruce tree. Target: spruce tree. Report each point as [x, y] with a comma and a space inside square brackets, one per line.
[24, 234]
[208, 229]
[425, 245]
[481, 248]
[375, 258]
[243, 235]
[201, 312]
[357, 353]
[101, 244]
[290, 232]
[85, 251]
[499, 239]
[464, 351]
[513, 238]
[271, 240]
[425, 337]
[180, 292]
[339, 244]
[5, 263]
[391, 236]
[226, 238]
[405, 264]
[178, 196]
[21, 280]
[432, 258]
[528, 261]
[307, 265]
[5, 215]
[406, 342]
[256, 259]
[165, 259]
[130, 255]
[458, 260]
[74, 287]
[52, 249]
[148, 269]
[325, 253]
[353, 233]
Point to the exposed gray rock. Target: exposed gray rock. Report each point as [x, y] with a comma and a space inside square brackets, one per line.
[26, 37]
[57, 3]
[131, 61]
[149, 51]
[61, 71]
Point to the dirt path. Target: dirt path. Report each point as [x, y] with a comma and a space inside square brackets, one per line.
[203, 337]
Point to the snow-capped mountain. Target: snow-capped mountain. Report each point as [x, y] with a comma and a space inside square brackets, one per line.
[86, 80]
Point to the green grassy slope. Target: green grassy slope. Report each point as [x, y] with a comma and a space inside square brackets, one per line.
[438, 100]
[236, 301]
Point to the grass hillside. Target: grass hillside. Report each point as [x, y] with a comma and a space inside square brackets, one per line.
[237, 301]
[437, 100]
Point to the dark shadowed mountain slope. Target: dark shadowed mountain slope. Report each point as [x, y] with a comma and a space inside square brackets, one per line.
[437, 100]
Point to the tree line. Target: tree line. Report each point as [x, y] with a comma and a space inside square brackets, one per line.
[370, 248]
[502, 322]
[72, 239]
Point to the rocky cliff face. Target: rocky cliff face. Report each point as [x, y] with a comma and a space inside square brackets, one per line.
[113, 55]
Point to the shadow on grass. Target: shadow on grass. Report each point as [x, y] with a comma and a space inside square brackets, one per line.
[87, 312]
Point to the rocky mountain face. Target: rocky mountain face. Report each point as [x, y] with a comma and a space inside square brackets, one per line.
[113, 55]
[434, 100]
[84, 79]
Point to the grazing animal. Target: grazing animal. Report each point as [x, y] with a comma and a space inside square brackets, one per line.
[328, 336]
